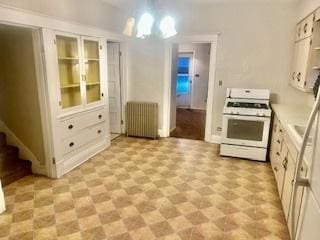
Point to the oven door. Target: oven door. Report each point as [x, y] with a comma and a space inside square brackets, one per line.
[249, 131]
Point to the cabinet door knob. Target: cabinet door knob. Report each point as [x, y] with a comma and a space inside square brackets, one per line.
[99, 131]
[70, 126]
[276, 169]
[294, 73]
[278, 141]
[299, 77]
[305, 28]
[285, 163]
[100, 116]
[71, 144]
[278, 153]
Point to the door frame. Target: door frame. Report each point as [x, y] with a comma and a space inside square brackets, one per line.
[191, 73]
[213, 40]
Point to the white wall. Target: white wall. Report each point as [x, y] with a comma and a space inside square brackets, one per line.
[19, 103]
[305, 7]
[201, 67]
[145, 72]
[255, 48]
[88, 12]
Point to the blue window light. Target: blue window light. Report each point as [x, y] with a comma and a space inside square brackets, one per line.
[183, 85]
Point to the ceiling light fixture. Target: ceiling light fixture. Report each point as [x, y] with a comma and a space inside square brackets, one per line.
[151, 23]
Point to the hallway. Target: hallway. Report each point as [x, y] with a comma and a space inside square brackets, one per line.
[190, 124]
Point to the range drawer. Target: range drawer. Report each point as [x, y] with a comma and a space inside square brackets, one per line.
[73, 125]
[84, 137]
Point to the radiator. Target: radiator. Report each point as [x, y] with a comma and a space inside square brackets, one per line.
[142, 119]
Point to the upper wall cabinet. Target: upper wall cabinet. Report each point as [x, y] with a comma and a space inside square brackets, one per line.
[306, 62]
[76, 84]
[79, 71]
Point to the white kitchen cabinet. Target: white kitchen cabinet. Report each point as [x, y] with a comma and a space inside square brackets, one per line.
[283, 156]
[276, 153]
[77, 93]
[307, 26]
[301, 65]
[289, 168]
[306, 58]
[298, 32]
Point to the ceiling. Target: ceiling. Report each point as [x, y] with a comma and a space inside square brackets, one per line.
[125, 4]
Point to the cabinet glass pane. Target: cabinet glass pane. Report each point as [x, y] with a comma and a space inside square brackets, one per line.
[92, 66]
[245, 130]
[69, 71]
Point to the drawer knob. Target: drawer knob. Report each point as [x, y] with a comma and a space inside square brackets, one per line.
[99, 131]
[71, 144]
[100, 116]
[278, 141]
[276, 169]
[278, 153]
[70, 126]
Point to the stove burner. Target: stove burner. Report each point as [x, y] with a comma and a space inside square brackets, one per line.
[247, 105]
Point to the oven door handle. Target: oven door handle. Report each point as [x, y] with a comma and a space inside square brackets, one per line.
[246, 117]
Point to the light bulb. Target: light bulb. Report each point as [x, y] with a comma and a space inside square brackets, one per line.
[168, 27]
[128, 30]
[145, 24]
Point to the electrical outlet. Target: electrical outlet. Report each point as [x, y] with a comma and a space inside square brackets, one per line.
[220, 83]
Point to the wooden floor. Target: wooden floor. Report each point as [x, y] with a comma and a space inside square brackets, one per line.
[190, 124]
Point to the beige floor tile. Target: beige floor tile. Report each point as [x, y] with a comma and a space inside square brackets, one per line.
[142, 189]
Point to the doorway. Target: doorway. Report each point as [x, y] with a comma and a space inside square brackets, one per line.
[115, 86]
[191, 90]
[184, 79]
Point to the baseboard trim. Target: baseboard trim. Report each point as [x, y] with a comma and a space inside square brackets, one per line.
[24, 151]
[161, 133]
[214, 139]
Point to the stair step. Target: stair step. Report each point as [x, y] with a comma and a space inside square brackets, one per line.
[3, 140]
[8, 154]
[13, 172]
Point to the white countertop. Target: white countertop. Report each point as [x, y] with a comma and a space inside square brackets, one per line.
[293, 115]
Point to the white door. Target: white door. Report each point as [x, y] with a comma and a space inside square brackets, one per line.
[114, 87]
[184, 80]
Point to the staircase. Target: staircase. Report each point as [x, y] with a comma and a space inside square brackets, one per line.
[12, 167]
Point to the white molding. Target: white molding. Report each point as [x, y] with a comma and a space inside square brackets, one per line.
[161, 133]
[213, 39]
[24, 152]
[2, 200]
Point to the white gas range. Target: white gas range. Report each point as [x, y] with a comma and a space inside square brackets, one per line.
[246, 124]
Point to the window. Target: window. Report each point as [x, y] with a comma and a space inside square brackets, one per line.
[183, 82]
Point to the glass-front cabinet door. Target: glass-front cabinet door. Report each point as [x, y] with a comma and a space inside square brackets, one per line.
[92, 70]
[69, 71]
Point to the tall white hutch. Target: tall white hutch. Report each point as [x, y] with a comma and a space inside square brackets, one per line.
[76, 71]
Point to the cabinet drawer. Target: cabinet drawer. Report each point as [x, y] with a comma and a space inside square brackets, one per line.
[73, 125]
[85, 136]
[307, 26]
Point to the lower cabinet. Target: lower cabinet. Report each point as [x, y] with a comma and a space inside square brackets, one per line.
[283, 157]
[79, 137]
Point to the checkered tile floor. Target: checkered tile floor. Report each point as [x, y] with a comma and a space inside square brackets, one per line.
[144, 189]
